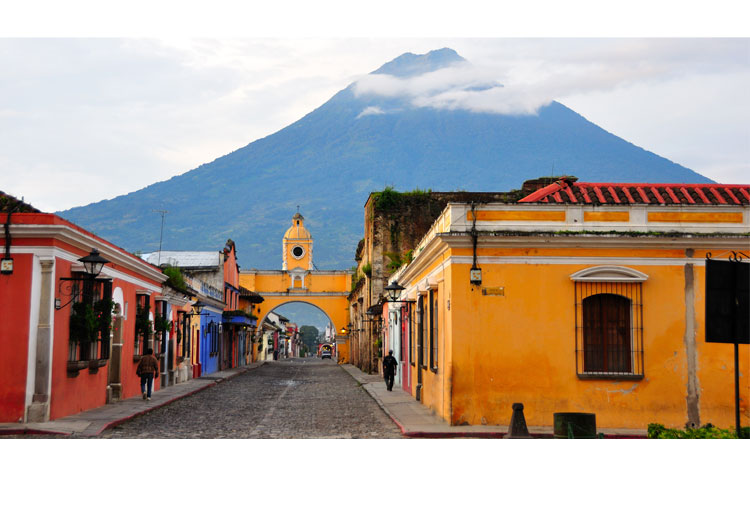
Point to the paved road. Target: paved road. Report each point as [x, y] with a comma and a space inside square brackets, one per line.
[294, 398]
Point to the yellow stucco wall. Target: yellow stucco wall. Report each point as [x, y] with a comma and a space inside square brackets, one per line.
[325, 290]
[520, 347]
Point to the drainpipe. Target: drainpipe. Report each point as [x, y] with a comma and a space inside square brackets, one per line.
[8, 238]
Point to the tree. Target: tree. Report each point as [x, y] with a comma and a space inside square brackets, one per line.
[309, 336]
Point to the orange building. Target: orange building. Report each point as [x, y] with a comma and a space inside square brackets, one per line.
[581, 297]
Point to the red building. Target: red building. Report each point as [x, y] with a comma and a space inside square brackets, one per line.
[69, 341]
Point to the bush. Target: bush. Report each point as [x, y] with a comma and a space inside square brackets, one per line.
[176, 279]
[707, 431]
[396, 261]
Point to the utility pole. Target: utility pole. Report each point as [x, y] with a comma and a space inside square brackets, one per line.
[161, 234]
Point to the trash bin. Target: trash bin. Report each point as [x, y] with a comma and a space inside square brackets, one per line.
[575, 425]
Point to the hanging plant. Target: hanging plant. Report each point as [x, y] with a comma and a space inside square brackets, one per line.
[103, 312]
[84, 325]
[142, 323]
[367, 270]
[161, 324]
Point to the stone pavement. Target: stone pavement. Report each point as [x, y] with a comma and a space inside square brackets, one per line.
[413, 419]
[93, 422]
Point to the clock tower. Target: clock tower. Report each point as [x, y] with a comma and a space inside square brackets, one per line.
[297, 246]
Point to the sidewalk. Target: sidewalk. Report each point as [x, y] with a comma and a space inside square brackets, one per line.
[93, 422]
[417, 421]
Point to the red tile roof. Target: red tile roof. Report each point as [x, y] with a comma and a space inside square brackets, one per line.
[569, 191]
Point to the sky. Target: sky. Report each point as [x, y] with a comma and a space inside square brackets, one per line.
[85, 117]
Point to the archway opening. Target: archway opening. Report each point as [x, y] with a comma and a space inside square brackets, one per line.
[312, 325]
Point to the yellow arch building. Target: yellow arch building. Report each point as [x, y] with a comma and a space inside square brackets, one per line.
[298, 282]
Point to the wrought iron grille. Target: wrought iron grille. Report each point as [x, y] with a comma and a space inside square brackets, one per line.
[609, 329]
[97, 295]
[161, 335]
[433, 330]
[405, 339]
[421, 323]
[142, 335]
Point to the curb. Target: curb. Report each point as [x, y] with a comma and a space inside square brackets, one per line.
[30, 431]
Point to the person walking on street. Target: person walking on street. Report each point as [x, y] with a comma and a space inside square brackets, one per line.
[389, 370]
[148, 368]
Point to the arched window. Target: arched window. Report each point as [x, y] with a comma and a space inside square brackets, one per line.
[609, 322]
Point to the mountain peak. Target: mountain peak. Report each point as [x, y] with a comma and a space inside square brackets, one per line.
[409, 64]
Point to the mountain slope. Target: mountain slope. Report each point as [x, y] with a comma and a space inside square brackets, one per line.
[331, 159]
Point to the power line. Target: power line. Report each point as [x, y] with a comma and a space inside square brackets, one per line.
[161, 234]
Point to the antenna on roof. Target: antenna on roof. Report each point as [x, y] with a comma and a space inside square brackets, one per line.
[161, 234]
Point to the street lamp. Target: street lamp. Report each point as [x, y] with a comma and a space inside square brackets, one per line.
[394, 291]
[197, 308]
[93, 263]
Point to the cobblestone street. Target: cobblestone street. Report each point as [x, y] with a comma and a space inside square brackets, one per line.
[294, 398]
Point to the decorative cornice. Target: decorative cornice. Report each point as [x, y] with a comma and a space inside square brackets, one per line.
[85, 242]
[609, 274]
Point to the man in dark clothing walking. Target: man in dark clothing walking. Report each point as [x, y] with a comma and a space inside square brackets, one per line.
[389, 369]
[148, 368]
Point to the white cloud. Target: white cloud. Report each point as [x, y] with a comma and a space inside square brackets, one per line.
[370, 110]
[125, 113]
[525, 75]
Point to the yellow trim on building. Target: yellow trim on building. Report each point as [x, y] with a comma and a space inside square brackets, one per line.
[606, 216]
[681, 217]
[499, 215]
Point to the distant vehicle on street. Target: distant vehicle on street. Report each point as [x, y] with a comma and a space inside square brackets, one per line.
[326, 351]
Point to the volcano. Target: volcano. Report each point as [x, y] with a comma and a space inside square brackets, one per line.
[377, 132]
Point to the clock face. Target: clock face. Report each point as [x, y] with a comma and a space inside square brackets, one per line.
[298, 251]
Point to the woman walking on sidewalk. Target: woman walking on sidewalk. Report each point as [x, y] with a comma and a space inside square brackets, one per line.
[148, 368]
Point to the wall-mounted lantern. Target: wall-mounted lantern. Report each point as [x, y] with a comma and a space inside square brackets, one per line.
[93, 264]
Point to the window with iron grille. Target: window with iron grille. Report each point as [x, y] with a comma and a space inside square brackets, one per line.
[609, 329]
[183, 334]
[90, 319]
[160, 330]
[404, 330]
[433, 330]
[412, 339]
[422, 330]
[213, 333]
[143, 326]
